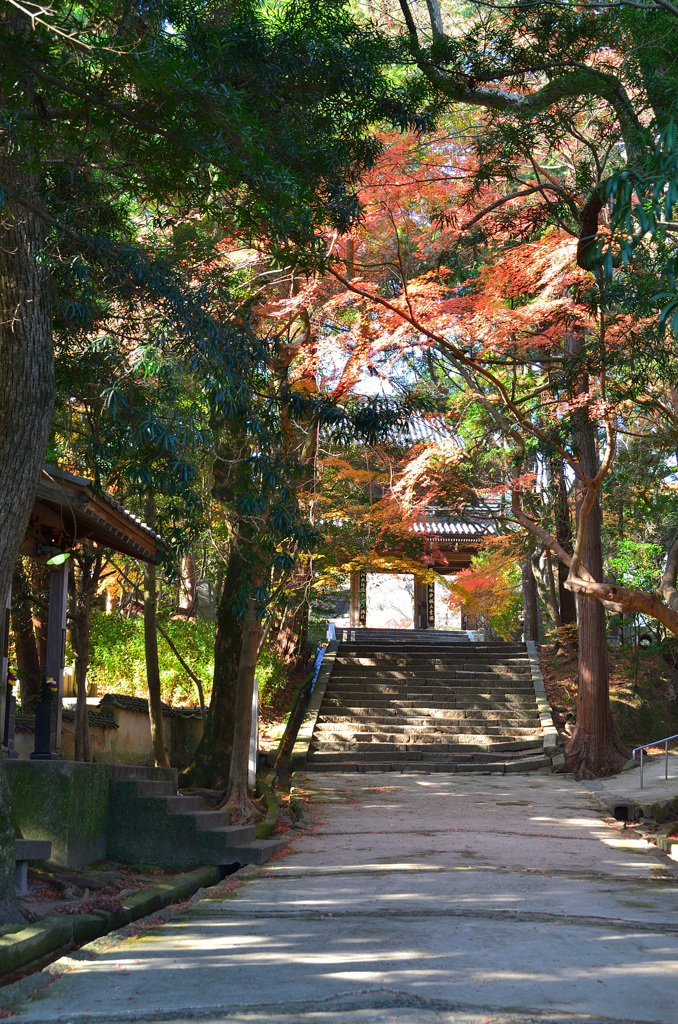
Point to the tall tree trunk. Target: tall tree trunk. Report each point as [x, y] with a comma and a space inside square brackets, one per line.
[237, 799]
[291, 643]
[594, 748]
[530, 602]
[568, 606]
[187, 585]
[153, 667]
[546, 586]
[27, 660]
[26, 403]
[211, 761]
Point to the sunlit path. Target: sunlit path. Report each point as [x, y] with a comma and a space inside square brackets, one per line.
[416, 898]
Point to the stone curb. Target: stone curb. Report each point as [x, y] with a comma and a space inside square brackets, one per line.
[637, 804]
[305, 734]
[668, 846]
[58, 930]
[551, 735]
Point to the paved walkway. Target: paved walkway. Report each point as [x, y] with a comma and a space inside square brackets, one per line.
[418, 899]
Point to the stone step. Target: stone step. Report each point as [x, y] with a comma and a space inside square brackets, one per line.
[451, 655]
[465, 754]
[183, 804]
[153, 787]
[144, 773]
[356, 702]
[233, 834]
[364, 634]
[427, 673]
[428, 666]
[344, 725]
[437, 718]
[425, 725]
[526, 764]
[420, 683]
[439, 664]
[327, 733]
[385, 692]
[207, 820]
[433, 679]
[422, 637]
[370, 751]
[256, 852]
[430, 651]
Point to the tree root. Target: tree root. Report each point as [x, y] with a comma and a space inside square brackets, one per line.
[239, 805]
[585, 763]
[271, 802]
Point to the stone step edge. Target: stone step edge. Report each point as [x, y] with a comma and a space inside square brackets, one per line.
[416, 757]
[414, 751]
[528, 764]
[376, 717]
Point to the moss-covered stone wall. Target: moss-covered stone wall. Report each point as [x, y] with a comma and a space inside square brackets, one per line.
[65, 802]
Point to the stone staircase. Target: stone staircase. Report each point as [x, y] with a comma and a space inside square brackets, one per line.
[149, 823]
[427, 700]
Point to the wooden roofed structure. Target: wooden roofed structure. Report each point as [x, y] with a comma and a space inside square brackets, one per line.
[68, 510]
[452, 540]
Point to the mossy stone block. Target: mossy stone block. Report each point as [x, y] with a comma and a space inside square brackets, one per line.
[65, 802]
[87, 927]
[33, 942]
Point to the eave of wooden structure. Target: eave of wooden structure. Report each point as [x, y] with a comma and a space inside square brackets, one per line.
[67, 511]
[452, 541]
[449, 556]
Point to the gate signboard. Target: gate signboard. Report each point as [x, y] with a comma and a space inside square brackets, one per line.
[362, 598]
[431, 604]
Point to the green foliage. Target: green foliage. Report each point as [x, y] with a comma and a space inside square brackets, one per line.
[638, 564]
[118, 664]
[275, 685]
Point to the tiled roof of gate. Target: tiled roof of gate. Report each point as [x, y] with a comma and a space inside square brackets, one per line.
[473, 525]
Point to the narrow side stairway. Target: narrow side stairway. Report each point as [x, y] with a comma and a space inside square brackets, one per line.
[149, 823]
[427, 700]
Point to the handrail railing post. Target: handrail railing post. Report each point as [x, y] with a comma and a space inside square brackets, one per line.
[655, 743]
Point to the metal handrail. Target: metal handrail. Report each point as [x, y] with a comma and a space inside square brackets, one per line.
[655, 743]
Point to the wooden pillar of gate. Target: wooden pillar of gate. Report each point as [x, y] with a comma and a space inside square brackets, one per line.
[424, 605]
[420, 604]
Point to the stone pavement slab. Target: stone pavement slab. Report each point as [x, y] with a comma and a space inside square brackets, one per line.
[422, 899]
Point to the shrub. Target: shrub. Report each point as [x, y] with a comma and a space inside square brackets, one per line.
[118, 661]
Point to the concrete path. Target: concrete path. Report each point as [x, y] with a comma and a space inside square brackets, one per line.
[417, 899]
